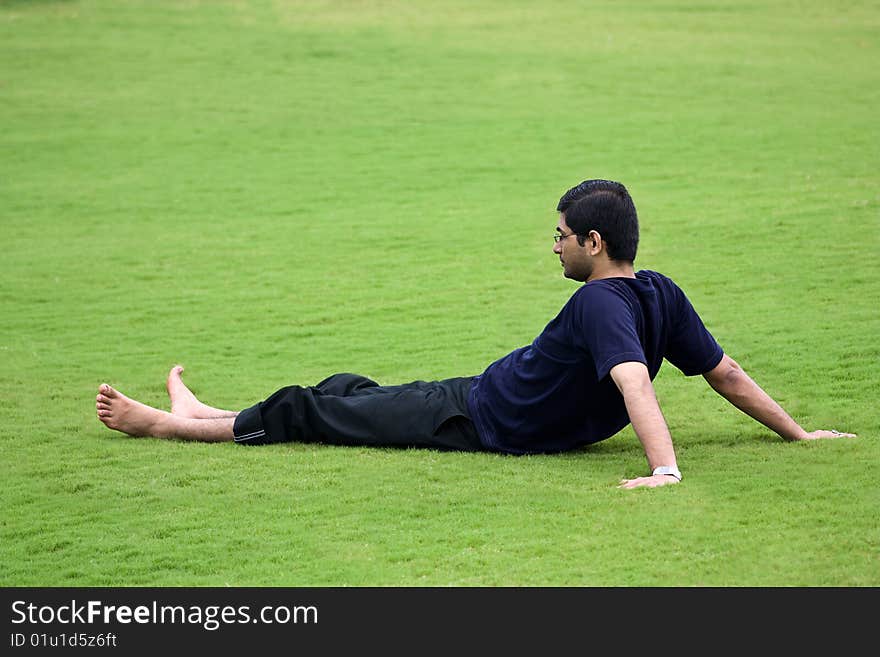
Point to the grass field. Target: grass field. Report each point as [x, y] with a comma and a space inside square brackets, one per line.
[270, 192]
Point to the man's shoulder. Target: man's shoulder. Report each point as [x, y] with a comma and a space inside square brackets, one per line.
[651, 275]
[647, 284]
[645, 281]
[606, 296]
[660, 282]
[602, 288]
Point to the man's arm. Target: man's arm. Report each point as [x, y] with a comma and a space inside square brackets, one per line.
[634, 383]
[731, 382]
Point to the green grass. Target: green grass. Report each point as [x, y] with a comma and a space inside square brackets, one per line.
[270, 192]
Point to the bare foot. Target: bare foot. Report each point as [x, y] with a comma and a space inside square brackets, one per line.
[127, 415]
[183, 401]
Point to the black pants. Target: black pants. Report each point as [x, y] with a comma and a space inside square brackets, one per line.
[347, 409]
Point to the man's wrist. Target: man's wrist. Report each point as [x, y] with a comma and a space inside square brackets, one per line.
[670, 470]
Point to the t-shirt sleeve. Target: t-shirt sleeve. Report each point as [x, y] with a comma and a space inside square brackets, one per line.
[691, 348]
[608, 327]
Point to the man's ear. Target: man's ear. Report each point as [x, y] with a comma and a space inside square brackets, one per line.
[594, 242]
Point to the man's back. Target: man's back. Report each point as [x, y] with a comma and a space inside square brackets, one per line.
[555, 394]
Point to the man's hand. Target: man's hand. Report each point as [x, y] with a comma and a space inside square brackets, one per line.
[648, 482]
[821, 433]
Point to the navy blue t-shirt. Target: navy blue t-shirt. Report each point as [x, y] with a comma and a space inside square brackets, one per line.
[556, 394]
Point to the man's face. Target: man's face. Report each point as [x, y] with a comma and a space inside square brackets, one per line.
[577, 263]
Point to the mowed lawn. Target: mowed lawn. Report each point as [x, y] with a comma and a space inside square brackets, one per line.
[270, 192]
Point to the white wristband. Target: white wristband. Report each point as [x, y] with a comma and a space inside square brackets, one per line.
[667, 470]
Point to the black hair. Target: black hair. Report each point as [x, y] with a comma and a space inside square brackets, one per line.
[606, 207]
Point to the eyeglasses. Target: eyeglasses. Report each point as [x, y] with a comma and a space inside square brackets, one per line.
[558, 237]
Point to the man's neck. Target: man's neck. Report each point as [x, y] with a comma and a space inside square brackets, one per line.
[612, 269]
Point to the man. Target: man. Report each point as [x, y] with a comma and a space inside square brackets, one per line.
[582, 380]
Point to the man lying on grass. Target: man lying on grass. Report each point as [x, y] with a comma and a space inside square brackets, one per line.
[582, 380]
